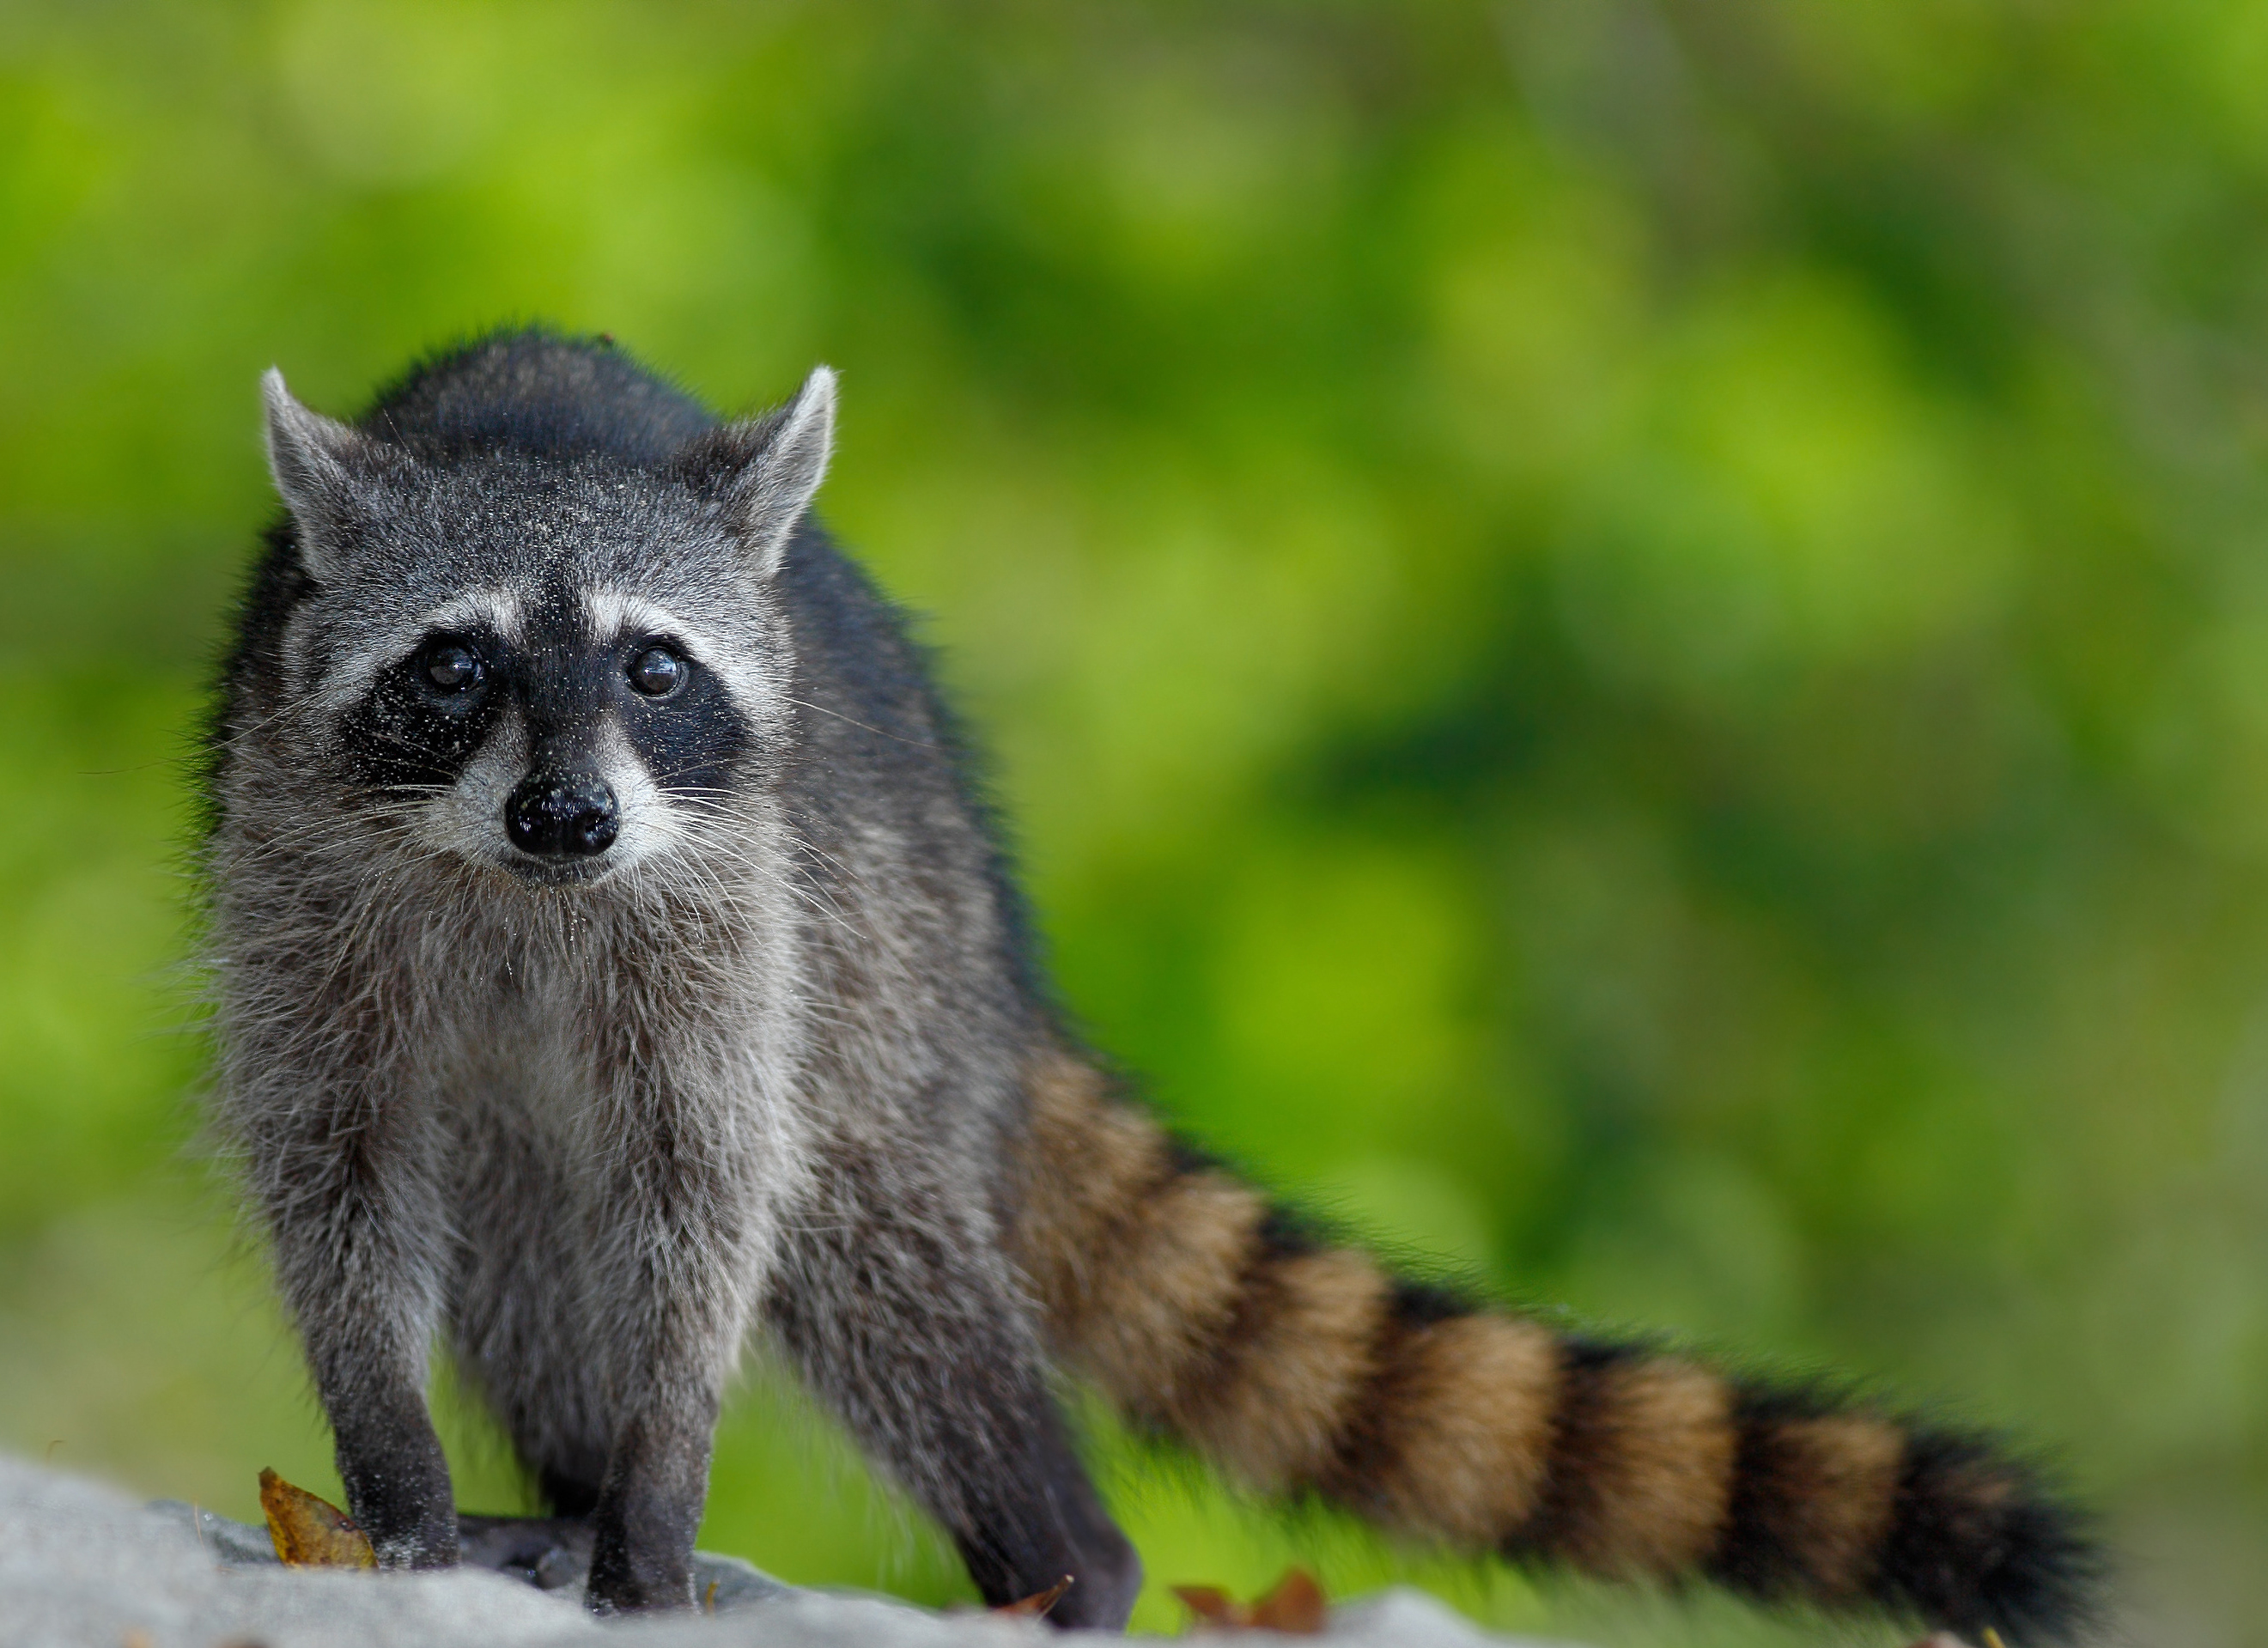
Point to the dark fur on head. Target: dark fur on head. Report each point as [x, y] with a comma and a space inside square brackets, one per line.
[613, 957]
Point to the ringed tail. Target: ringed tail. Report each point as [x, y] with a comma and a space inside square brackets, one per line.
[1301, 1367]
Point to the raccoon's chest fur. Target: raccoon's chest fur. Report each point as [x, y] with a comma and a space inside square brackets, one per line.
[532, 1063]
[557, 1048]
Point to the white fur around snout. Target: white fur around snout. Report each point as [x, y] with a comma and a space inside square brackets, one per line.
[649, 822]
[468, 819]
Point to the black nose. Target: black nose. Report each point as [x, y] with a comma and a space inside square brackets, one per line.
[561, 815]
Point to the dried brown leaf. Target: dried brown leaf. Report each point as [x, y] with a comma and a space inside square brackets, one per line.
[310, 1532]
[1036, 1605]
[1296, 1607]
[1211, 1606]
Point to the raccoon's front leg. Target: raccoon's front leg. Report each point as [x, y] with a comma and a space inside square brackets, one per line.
[649, 1504]
[360, 1240]
[678, 1250]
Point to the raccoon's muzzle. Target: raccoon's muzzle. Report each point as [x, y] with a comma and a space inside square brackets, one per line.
[561, 815]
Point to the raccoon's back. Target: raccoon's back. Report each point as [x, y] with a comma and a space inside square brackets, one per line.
[536, 392]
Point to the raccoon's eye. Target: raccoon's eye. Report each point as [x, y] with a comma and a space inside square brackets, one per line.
[657, 671]
[451, 666]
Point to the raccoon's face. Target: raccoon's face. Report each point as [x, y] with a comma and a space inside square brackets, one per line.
[559, 669]
[562, 738]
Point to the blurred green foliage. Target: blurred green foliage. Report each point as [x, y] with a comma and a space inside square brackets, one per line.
[1629, 642]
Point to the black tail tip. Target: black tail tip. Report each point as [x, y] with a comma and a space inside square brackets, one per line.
[1978, 1541]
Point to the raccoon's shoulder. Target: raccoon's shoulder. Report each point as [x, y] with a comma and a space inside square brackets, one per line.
[856, 650]
[883, 741]
[537, 392]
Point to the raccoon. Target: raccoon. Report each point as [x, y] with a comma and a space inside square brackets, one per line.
[615, 959]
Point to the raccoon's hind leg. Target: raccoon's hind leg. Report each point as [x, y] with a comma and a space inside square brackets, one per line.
[520, 1323]
[894, 1300]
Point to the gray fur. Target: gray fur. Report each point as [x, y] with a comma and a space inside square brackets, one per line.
[757, 1064]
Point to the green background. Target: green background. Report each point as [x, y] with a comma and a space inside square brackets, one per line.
[1630, 643]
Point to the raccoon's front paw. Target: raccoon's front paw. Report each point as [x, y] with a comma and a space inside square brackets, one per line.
[627, 1580]
[429, 1540]
[397, 1482]
[408, 1530]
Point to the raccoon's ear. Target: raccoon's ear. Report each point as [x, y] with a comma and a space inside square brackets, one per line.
[328, 472]
[763, 471]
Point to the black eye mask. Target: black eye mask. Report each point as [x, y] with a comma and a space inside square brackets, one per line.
[685, 727]
[424, 719]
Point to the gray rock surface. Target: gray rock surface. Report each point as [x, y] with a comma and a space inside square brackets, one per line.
[83, 1566]
[549, 1554]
